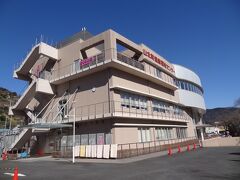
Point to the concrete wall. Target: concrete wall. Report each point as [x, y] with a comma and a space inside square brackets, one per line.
[125, 135]
[71, 52]
[127, 81]
[220, 142]
[93, 89]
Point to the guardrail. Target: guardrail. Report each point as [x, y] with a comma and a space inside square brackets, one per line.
[141, 148]
[9, 137]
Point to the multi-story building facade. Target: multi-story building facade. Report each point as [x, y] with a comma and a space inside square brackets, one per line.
[115, 90]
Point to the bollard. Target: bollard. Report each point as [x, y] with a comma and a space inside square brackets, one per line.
[179, 149]
[170, 151]
[194, 146]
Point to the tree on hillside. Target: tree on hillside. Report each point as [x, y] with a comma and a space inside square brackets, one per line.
[237, 102]
[232, 123]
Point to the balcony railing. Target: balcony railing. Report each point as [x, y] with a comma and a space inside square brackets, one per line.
[77, 67]
[113, 109]
[81, 65]
[130, 61]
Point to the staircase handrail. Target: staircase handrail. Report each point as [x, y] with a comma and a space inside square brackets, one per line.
[65, 104]
[53, 107]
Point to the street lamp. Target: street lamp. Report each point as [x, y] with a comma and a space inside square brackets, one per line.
[10, 120]
[74, 132]
[74, 120]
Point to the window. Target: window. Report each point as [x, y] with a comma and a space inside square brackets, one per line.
[159, 73]
[189, 86]
[108, 138]
[84, 139]
[92, 139]
[177, 110]
[76, 65]
[182, 85]
[144, 135]
[100, 138]
[160, 106]
[181, 132]
[133, 101]
[164, 133]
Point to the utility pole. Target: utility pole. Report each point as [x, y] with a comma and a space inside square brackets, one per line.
[74, 120]
[5, 123]
[10, 120]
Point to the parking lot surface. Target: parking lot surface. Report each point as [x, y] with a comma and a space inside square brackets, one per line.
[205, 163]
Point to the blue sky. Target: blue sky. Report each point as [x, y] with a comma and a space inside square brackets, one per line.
[201, 35]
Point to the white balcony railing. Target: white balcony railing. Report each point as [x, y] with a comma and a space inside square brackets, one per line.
[114, 109]
[81, 65]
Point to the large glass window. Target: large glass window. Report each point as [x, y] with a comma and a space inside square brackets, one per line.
[144, 134]
[92, 139]
[189, 86]
[181, 132]
[164, 133]
[160, 106]
[159, 73]
[76, 65]
[133, 101]
[177, 110]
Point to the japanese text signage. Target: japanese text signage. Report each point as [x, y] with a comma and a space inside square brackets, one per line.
[87, 61]
[158, 60]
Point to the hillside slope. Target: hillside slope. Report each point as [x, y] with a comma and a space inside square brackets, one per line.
[5, 97]
[228, 117]
[221, 115]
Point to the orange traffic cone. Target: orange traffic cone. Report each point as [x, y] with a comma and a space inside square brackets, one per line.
[179, 149]
[194, 146]
[3, 156]
[15, 175]
[170, 151]
[188, 147]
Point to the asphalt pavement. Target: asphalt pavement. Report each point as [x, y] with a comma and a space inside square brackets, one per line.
[202, 164]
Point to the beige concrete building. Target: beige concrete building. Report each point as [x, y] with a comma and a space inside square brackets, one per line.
[116, 91]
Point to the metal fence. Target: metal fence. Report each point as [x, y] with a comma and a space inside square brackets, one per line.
[114, 109]
[9, 137]
[136, 149]
[141, 148]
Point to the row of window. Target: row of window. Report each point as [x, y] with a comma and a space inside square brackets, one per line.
[133, 101]
[181, 132]
[161, 133]
[164, 133]
[144, 135]
[164, 107]
[87, 139]
[180, 83]
[140, 102]
[189, 86]
[160, 74]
